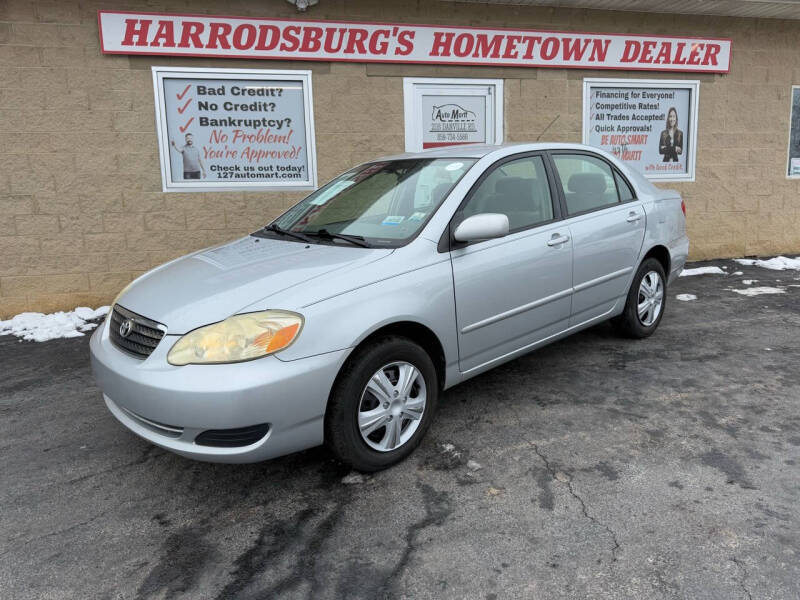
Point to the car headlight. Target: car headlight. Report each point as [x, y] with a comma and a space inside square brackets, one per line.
[237, 338]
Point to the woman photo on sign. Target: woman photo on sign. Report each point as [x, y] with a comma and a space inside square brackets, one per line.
[671, 142]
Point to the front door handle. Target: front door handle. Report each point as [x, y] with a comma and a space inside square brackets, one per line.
[557, 239]
[633, 217]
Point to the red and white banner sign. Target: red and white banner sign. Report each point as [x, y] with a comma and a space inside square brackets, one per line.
[284, 39]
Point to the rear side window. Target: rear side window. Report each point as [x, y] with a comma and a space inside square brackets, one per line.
[588, 182]
[517, 189]
[625, 191]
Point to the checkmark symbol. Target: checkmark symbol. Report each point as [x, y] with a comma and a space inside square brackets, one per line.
[188, 102]
[185, 127]
[183, 93]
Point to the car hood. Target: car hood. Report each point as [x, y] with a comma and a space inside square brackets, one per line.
[213, 284]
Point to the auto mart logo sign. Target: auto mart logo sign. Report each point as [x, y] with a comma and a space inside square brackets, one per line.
[282, 39]
[453, 117]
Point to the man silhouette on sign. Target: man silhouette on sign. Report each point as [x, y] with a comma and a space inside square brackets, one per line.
[192, 163]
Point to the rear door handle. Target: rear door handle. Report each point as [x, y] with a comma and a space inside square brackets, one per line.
[633, 217]
[557, 239]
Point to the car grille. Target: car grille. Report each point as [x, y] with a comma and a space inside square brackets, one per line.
[232, 438]
[144, 334]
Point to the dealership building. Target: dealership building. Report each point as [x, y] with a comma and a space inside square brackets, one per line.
[136, 132]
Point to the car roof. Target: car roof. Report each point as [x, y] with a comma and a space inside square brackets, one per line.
[481, 150]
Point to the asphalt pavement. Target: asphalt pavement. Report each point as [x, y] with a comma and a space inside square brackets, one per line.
[597, 467]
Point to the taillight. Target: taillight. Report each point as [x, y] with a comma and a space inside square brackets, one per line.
[683, 207]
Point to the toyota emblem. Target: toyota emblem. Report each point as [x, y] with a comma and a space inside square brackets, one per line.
[126, 327]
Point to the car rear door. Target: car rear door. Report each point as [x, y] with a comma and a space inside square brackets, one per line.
[513, 291]
[606, 223]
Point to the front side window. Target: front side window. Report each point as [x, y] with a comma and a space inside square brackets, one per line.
[517, 189]
[384, 203]
[588, 182]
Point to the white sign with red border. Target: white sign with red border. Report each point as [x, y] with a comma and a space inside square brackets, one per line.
[289, 39]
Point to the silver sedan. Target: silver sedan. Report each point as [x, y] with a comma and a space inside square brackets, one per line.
[343, 320]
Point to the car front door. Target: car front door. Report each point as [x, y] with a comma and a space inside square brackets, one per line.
[513, 291]
[606, 223]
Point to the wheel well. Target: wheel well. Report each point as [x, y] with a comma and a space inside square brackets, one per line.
[417, 333]
[661, 254]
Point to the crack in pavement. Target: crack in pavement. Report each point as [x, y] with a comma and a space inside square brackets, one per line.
[580, 500]
[742, 581]
[184, 556]
[305, 566]
[303, 535]
[438, 507]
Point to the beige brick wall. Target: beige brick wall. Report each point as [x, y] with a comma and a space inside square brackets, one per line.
[81, 213]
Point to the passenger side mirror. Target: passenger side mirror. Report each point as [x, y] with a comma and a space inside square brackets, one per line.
[485, 226]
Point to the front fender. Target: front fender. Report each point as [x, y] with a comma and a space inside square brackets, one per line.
[423, 295]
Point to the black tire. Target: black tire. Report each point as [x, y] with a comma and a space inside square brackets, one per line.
[628, 323]
[342, 433]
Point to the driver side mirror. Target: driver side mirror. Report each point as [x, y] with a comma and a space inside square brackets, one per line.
[485, 226]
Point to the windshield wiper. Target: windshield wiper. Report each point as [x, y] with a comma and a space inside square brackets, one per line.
[280, 230]
[356, 240]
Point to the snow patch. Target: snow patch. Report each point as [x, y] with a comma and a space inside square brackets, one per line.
[779, 263]
[451, 451]
[759, 291]
[353, 478]
[474, 466]
[702, 271]
[686, 297]
[749, 281]
[39, 327]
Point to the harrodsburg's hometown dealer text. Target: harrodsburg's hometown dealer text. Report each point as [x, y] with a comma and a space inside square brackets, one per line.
[227, 129]
[289, 39]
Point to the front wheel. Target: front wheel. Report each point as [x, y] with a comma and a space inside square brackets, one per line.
[646, 301]
[382, 404]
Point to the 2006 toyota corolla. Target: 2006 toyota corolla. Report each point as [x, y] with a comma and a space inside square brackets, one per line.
[343, 320]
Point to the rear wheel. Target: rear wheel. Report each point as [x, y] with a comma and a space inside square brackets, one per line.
[382, 404]
[646, 301]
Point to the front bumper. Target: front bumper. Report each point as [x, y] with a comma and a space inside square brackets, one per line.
[170, 406]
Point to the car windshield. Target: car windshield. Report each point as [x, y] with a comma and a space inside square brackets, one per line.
[377, 204]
